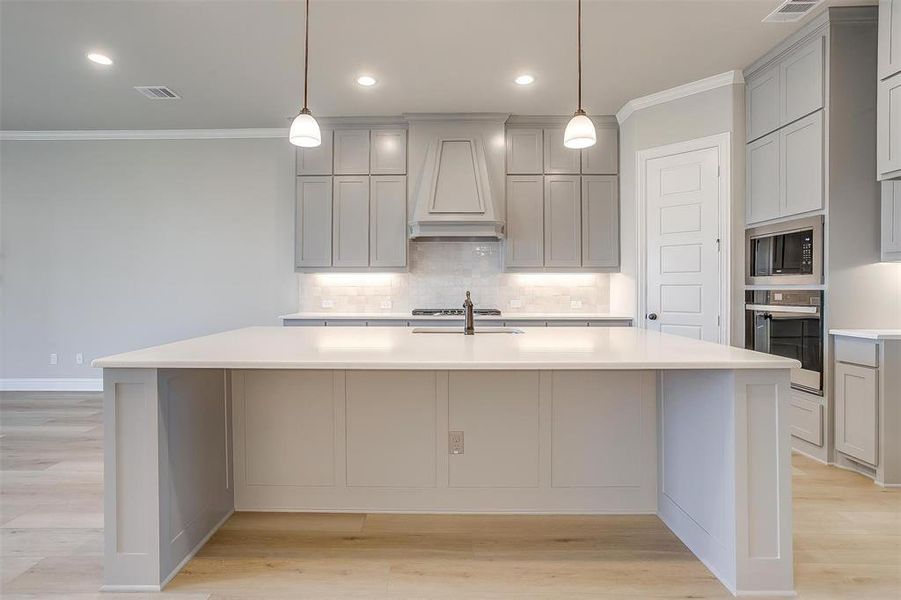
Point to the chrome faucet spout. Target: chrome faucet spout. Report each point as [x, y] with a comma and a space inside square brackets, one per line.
[469, 323]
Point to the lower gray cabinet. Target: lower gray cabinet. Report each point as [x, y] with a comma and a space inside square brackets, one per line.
[856, 404]
[350, 222]
[313, 222]
[388, 221]
[600, 221]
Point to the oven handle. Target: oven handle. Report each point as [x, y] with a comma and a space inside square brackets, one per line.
[805, 310]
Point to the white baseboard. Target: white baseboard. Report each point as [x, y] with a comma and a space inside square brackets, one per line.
[51, 384]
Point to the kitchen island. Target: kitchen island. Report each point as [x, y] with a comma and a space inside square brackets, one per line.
[577, 420]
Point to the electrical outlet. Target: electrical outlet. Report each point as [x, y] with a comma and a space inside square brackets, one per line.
[455, 442]
[79, 358]
[53, 359]
[385, 303]
[575, 304]
[515, 303]
[328, 304]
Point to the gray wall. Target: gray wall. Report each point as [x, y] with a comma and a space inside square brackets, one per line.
[707, 113]
[109, 246]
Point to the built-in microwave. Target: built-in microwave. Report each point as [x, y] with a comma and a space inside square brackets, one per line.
[785, 253]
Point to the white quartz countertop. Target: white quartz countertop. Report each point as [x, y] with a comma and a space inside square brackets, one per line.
[324, 316]
[605, 348]
[868, 334]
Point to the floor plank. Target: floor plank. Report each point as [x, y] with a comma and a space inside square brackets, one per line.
[847, 538]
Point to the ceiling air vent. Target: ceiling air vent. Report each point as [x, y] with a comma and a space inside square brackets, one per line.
[791, 10]
[157, 92]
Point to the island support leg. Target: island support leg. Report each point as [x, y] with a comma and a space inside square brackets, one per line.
[167, 471]
[724, 477]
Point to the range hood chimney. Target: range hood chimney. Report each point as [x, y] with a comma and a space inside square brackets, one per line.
[459, 164]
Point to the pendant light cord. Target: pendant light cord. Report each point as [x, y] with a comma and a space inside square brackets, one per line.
[579, 42]
[306, 55]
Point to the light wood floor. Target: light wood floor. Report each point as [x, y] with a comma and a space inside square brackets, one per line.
[847, 538]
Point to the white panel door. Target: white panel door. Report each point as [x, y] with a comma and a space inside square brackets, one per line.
[888, 127]
[388, 221]
[683, 271]
[562, 221]
[603, 157]
[313, 222]
[762, 195]
[350, 222]
[856, 403]
[318, 160]
[600, 221]
[802, 81]
[557, 157]
[351, 148]
[525, 151]
[762, 93]
[801, 152]
[524, 245]
[388, 152]
[889, 38]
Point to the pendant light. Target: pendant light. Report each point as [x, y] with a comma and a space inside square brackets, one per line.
[579, 131]
[305, 130]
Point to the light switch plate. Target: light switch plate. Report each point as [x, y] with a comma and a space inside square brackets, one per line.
[455, 442]
[328, 304]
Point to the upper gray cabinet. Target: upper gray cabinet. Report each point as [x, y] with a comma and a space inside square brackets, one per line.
[557, 157]
[388, 152]
[889, 38]
[524, 244]
[350, 222]
[801, 173]
[562, 221]
[316, 161]
[525, 151]
[313, 222]
[600, 221]
[762, 197]
[891, 221]
[786, 90]
[603, 157]
[351, 152]
[388, 221]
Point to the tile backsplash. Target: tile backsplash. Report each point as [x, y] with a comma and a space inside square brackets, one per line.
[439, 275]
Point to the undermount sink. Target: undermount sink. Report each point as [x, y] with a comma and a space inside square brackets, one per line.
[460, 331]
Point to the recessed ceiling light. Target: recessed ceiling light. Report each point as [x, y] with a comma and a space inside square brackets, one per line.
[366, 80]
[524, 80]
[100, 59]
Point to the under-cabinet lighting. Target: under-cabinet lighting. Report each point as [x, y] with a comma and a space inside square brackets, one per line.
[354, 279]
[100, 59]
[555, 279]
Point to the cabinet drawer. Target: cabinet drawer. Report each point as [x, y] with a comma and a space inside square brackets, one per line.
[857, 351]
[806, 418]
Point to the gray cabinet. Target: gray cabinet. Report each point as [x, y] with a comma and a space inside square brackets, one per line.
[525, 151]
[316, 161]
[801, 81]
[603, 157]
[557, 157]
[524, 245]
[762, 98]
[856, 404]
[562, 221]
[888, 129]
[762, 196]
[891, 221]
[600, 221]
[313, 222]
[388, 152]
[889, 38]
[350, 222]
[351, 150]
[388, 221]
[801, 172]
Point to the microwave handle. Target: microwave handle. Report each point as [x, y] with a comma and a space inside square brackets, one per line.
[803, 310]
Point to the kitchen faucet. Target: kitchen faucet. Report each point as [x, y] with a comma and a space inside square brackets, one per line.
[469, 324]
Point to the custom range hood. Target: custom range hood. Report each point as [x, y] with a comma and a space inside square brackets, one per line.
[458, 165]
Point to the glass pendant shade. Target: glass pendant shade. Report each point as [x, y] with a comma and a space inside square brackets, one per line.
[579, 132]
[305, 131]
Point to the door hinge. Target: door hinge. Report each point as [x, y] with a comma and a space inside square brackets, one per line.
[718, 170]
[718, 244]
[718, 324]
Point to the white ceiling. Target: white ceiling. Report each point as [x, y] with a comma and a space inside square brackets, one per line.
[239, 63]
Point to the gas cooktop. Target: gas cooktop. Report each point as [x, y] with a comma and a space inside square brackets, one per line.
[454, 312]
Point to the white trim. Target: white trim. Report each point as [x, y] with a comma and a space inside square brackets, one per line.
[54, 384]
[131, 588]
[145, 134]
[680, 91]
[722, 142]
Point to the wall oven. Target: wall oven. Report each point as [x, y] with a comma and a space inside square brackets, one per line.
[785, 253]
[788, 323]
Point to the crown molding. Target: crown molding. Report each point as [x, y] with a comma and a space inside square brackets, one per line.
[364, 122]
[681, 91]
[603, 121]
[145, 134]
[496, 117]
